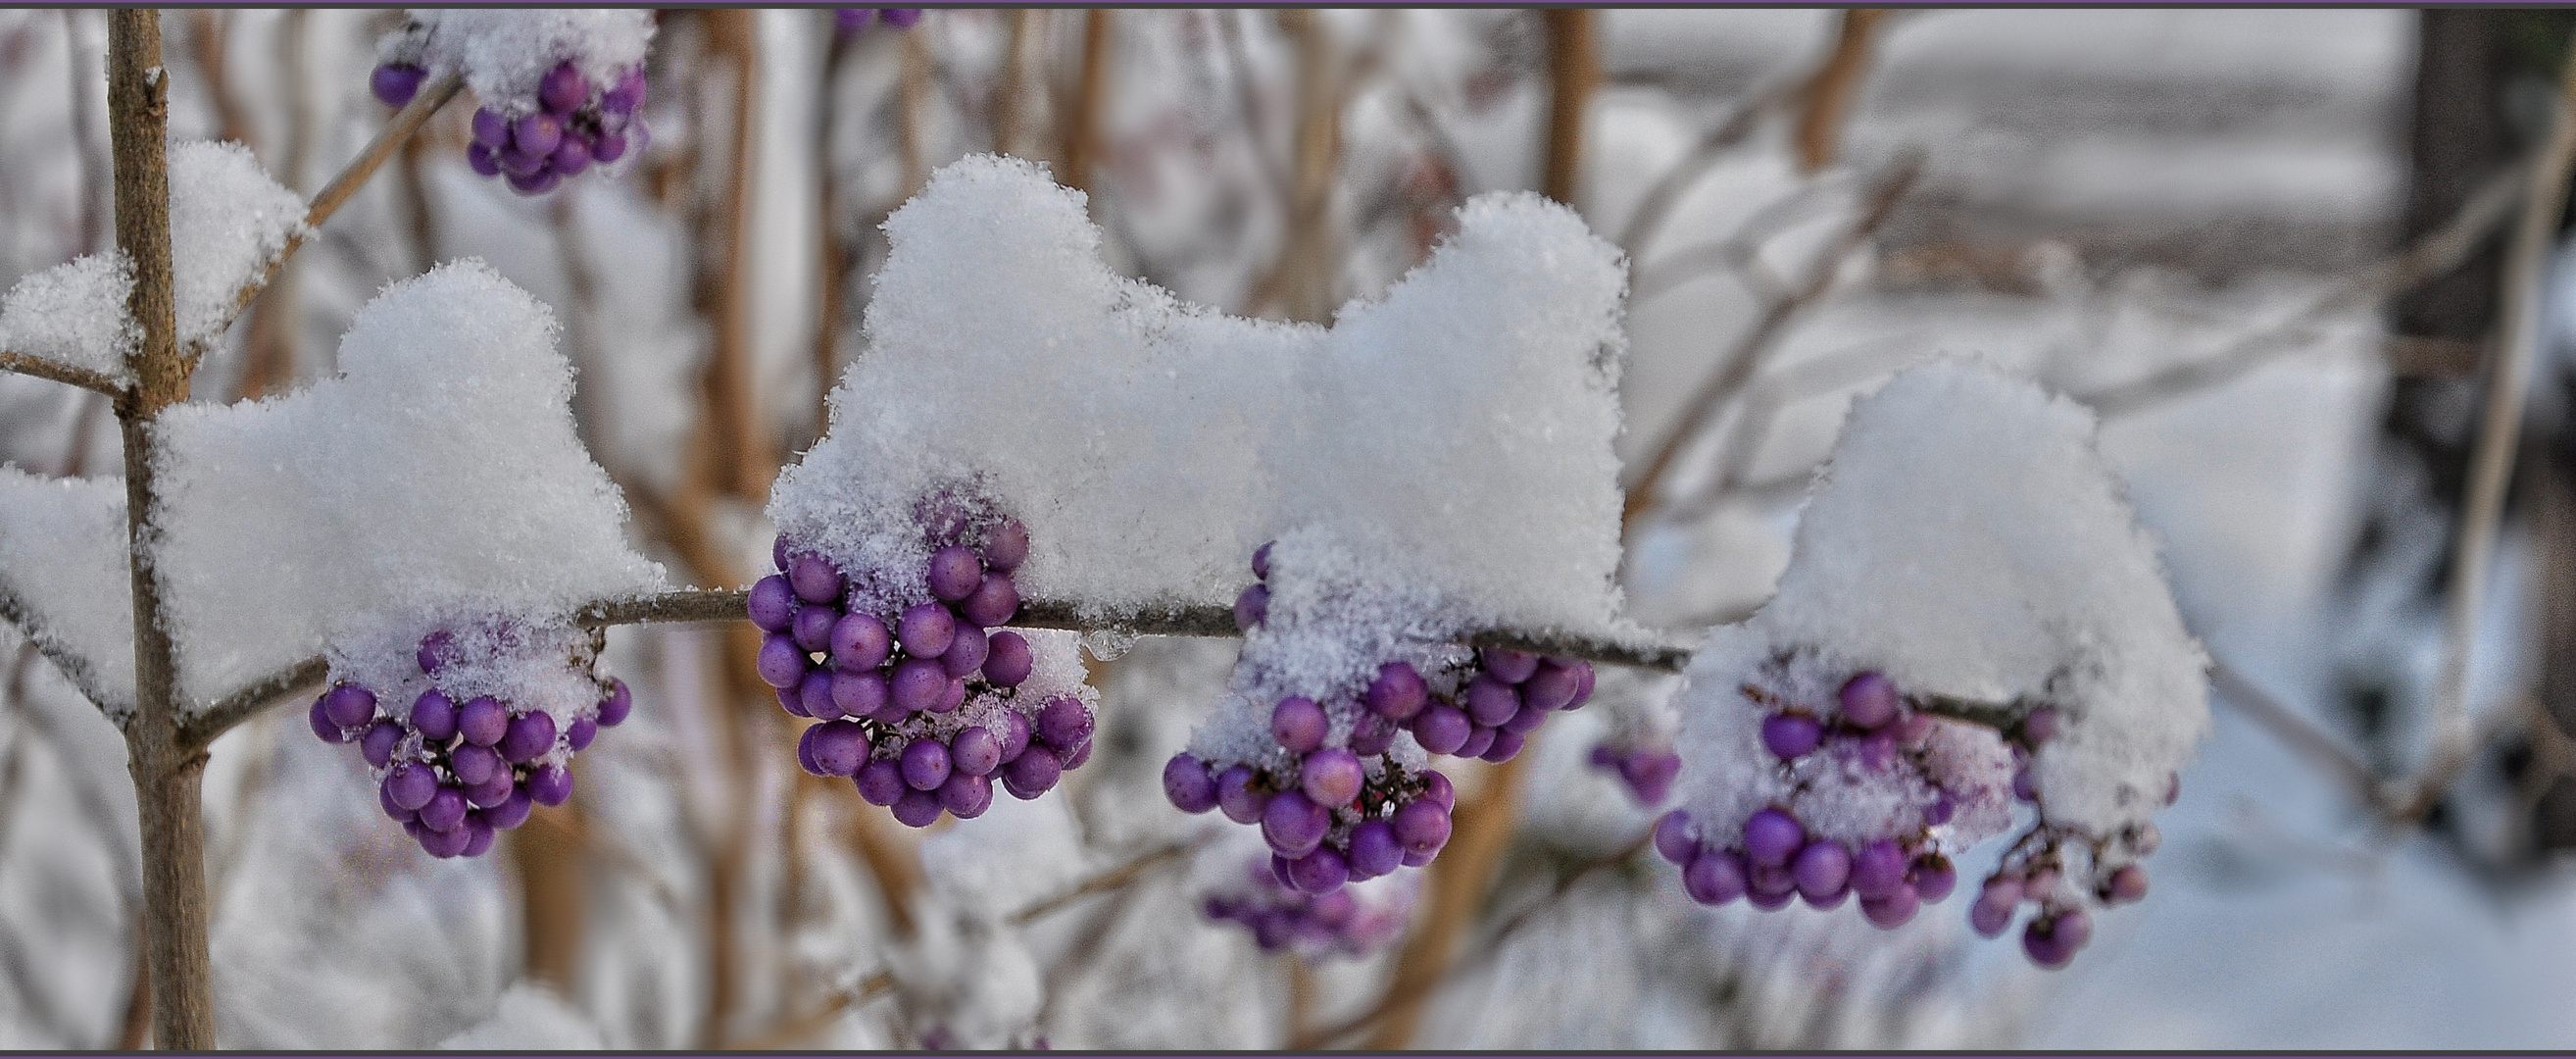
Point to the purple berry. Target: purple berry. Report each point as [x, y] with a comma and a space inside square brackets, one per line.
[537, 134]
[967, 652]
[410, 786]
[781, 664]
[1422, 826]
[320, 719]
[1188, 785]
[792, 701]
[1235, 794]
[1251, 608]
[563, 91]
[1772, 836]
[1479, 740]
[1933, 878]
[925, 630]
[475, 765]
[1007, 547]
[916, 808]
[549, 784]
[1294, 824]
[1374, 850]
[1878, 869]
[1583, 685]
[522, 168]
[1490, 702]
[1790, 736]
[619, 703]
[580, 733]
[965, 795]
[1673, 839]
[881, 782]
[531, 736]
[925, 764]
[571, 156]
[512, 811]
[2051, 941]
[813, 627]
[1442, 728]
[1398, 692]
[955, 573]
[482, 720]
[447, 843]
[608, 148]
[377, 746]
[1007, 661]
[919, 684]
[1892, 910]
[975, 751]
[1650, 774]
[1823, 870]
[491, 129]
[859, 642]
[993, 603]
[1526, 720]
[2126, 885]
[1552, 687]
[805, 752]
[1509, 666]
[773, 603]
[2024, 787]
[813, 577]
[1035, 770]
[859, 694]
[899, 17]
[1080, 753]
[400, 815]
[1715, 877]
[839, 748]
[478, 836]
[1013, 731]
[1504, 746]
[1372, 735]
[494, 790]
[1869, 700]
[1320, 872]
[349, 705]
[1436, 788]
[1261, 561]
[1064, 722]
[482, 160]
[434, 717]
[2041, 726]
[1770, 880]
[395, 83]
[444, 810]
[1298, 724]
[1332, 777]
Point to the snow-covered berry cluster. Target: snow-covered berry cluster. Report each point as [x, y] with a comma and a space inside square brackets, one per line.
[1353, 920]
[478, 728]
[1332, 796]
[560, 91]
[928, 706]
[851, 21]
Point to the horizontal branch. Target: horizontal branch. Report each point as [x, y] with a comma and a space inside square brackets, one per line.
[42, 368]
[328, 201]
[199, 730]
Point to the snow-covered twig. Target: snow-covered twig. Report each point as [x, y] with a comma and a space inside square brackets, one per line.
[328, 201]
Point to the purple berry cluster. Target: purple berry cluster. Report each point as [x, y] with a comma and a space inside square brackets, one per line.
[851, 21]
[1646, 767]
[571, 126]
[1778, 861]
[922, 709]
[2041, 867]
[1342, 809]
[1350, 921]
[455, 773]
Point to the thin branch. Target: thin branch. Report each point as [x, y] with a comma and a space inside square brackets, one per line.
[2295, 729]
[199, 731]
[1704, 155]
[1836, 86]
[39, 367]
[796, 1030]
[1113, 879]
[1737, 364]
[333, 195]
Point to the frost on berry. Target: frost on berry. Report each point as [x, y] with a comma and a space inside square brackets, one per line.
[1972, 622]
[560, 90]
[467, 721]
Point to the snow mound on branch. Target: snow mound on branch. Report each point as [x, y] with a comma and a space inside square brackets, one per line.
[1460, 427]
[63, 578]
[1968, 541]
[228, 220]
[439, 473]
[504, 54]
[73, 313]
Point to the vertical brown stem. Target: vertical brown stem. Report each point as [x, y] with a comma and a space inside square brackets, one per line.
[1082, 127]
[745, 453]
[166, 782]
[1574, 72]
[1305, 282]
[1836, 87]
[551, 854]
[914, 113]
[270, 359]
[1010, 98]
[832, 269]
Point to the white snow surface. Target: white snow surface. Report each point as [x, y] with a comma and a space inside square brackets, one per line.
[1015, 855]
[62, 565]
[1462, 424]
[1968, 541]
[228, 219]
[504, 54]
[73, 313]
[438, 474]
